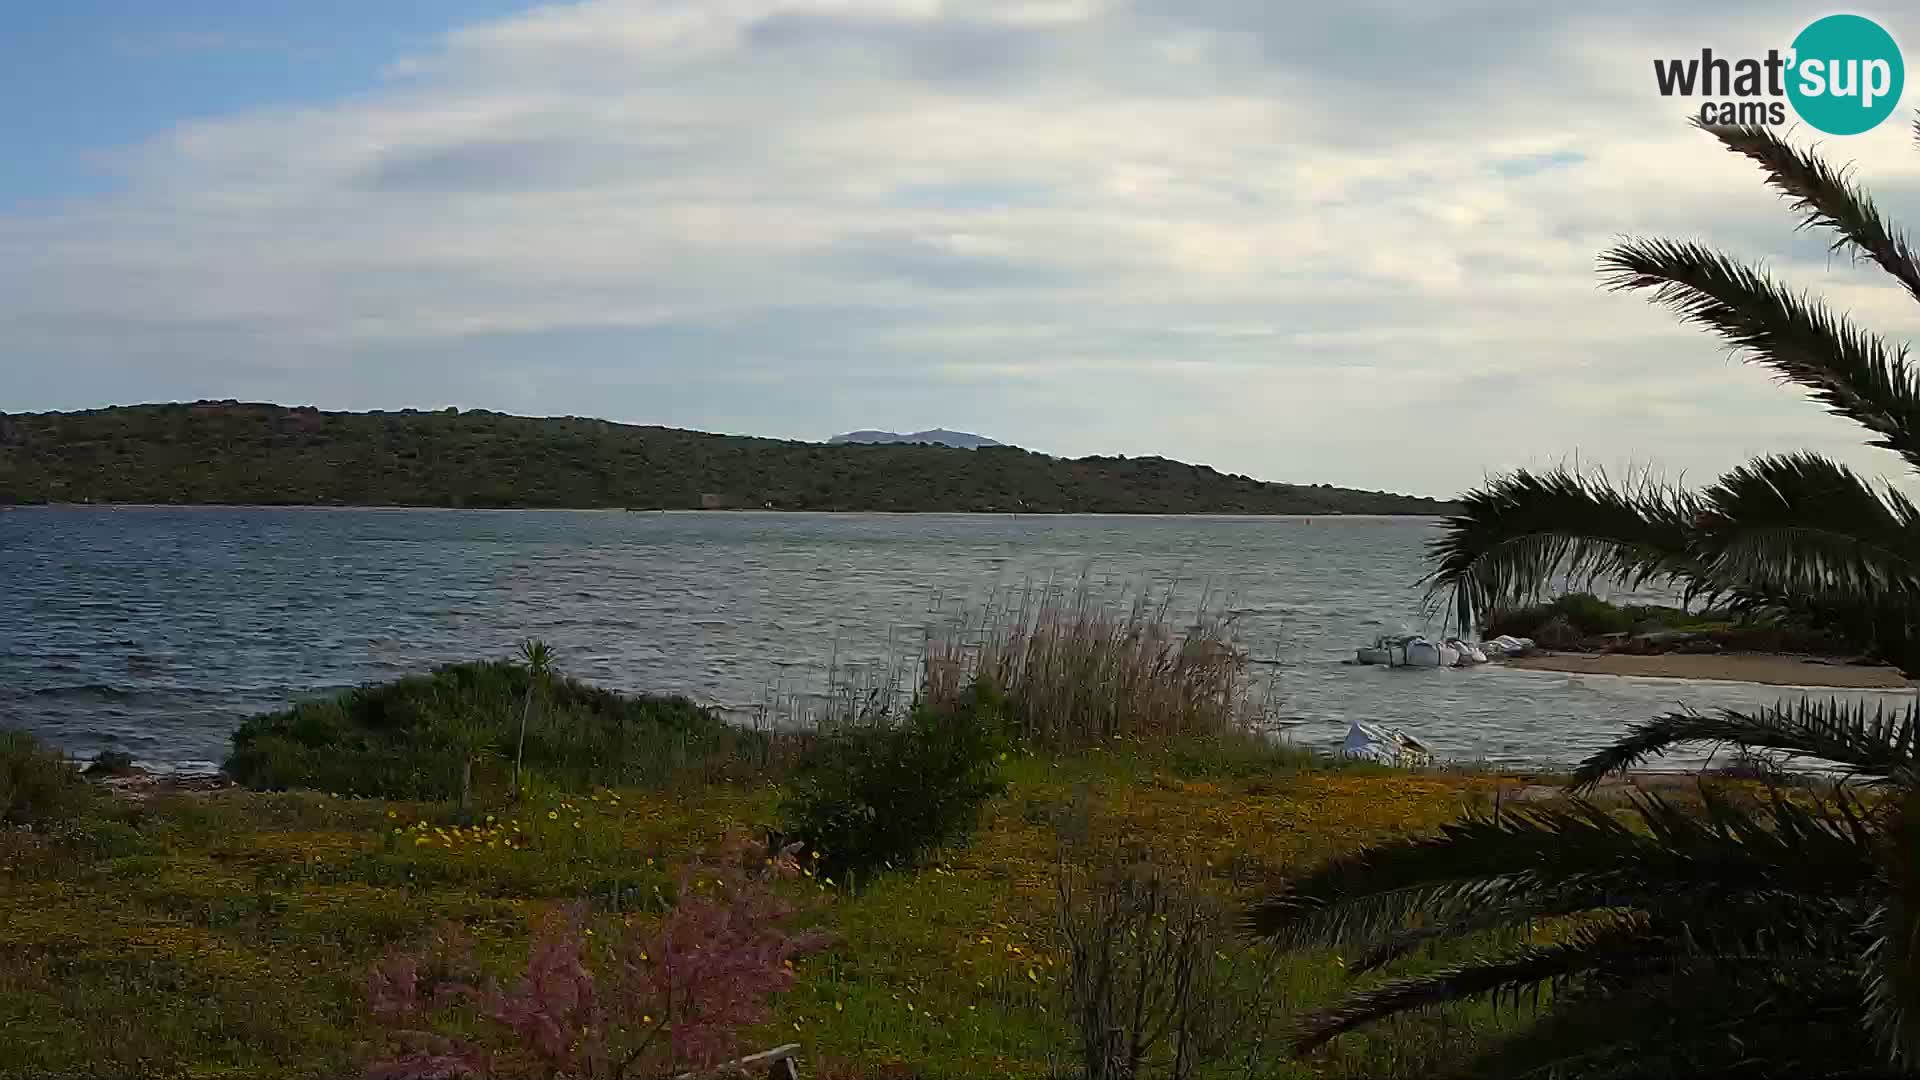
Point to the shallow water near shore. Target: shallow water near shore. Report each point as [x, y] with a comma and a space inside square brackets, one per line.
[157, 630]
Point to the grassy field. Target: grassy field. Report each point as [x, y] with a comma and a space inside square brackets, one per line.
[227, 934]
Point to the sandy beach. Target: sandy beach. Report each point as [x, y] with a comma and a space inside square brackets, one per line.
[1767, 668]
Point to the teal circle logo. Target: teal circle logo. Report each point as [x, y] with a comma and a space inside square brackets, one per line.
[1846, 74]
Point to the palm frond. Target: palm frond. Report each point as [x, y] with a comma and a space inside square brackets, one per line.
[1851, 371]
[1483, 871]
[1796, 524]
[1825, 198]
[1614, 945]
[1787, 1018]
[1477, 863]
[1891, 961]
[1880, 744]
[1523, 529]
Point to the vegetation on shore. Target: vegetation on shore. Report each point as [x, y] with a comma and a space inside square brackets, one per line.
[1583, 622]
[230, 934]
[961, 891]
[236, 933]
[236, 453]
[966, 872]
[437, 736]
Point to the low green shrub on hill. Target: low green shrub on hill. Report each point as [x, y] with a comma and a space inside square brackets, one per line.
[37, 785]
[881, 796]
[414, 738]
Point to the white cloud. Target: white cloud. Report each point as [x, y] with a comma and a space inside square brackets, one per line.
[1352, 246]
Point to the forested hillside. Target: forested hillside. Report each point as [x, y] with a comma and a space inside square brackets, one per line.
[234, 453]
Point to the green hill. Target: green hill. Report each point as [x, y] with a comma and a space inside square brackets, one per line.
[232, 453]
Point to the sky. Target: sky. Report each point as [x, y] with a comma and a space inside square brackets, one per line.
[1349, 244]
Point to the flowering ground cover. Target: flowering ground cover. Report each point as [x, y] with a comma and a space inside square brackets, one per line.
[232, 934]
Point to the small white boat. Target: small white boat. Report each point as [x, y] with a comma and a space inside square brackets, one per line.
[1371, 742]
[1422, 653]
[1412, 650]
[1469, 653]
[1505, 646]
[1389, 650]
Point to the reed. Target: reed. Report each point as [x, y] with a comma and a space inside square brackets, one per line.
[1077, 670]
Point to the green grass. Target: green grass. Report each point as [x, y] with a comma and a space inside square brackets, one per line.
[226, 935]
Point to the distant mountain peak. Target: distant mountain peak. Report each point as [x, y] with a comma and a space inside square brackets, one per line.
[964, 440]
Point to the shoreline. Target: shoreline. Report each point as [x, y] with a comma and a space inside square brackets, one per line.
[1768, 669]
[743, 510]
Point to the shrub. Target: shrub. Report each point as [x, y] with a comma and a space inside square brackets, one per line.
[1558, 632]
[884, 794]
[654, 1000]
[1591, 615]
[37, 784]
[1158, 981]
[1077, 673]
[414, 738]
[1582, 614]
[110, 763]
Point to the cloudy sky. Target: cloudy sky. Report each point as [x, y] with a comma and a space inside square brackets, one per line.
[1348, 243]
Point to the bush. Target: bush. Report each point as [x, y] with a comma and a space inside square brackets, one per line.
[37, 784]
[1158, 980]
[1557, 633]
[648, 998]
[880, 796]
[1591, 615]
[1584, 614]
[111, 763]
[413, 738]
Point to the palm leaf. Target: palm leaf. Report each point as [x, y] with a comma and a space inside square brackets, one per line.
[1786, 1019]
[1852, 371]
[1525, 528]
[1615, 945]
[1483, 871]
[1891, 963]
[1880, 744]
[1825, 198]
[1801, 523]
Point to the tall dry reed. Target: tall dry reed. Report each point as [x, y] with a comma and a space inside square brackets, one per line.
[1077, 671]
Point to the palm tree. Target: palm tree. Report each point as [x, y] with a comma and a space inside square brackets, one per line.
[1772, 937]
[1793, 534]
[538, 657]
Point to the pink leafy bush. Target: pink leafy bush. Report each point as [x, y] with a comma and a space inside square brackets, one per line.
[648, 998]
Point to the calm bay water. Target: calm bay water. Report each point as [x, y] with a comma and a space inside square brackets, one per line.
[157, 630]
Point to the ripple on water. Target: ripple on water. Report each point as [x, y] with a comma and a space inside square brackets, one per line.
[162, 628]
